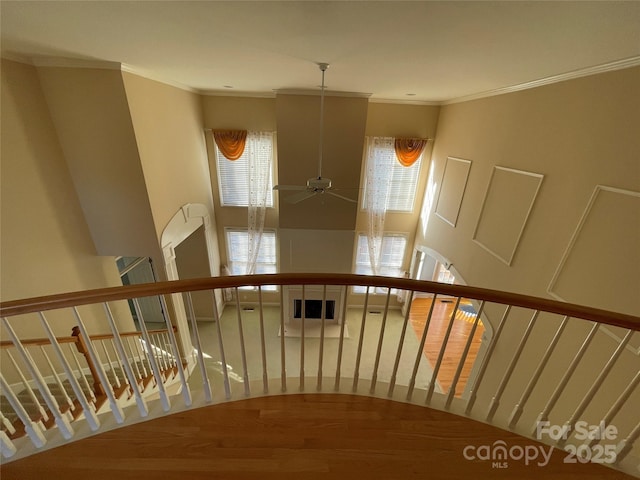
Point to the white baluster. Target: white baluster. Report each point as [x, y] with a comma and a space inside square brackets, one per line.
[374, 377]
[82, 376]
[225, 368]
[356, 372]
[392, 381]
[243, 353]
[29, 390]
[62, 421]
[303, 314]
[164, 398]
[7, 448]
[495, 401]
[420, 351]
[141, 351]
[323, 315]
[485, 362]
[624, 447]
[121, 361]
[57, 378]
[196, 336]
[7, 424]
[463, 357]
[341, 341]
[116, 409]
[615, 408]
[32, 428]
[283, 363]
[87, 407]
[128, 371]
[186, 392]
[586, 400]
[436, 369]
[519, 408]
[544, 415]
[108, 357]
[265, 376]
[133, 358]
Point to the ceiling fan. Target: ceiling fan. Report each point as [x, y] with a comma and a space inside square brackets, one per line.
[315, 185]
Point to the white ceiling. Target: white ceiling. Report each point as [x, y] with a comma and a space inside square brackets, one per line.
[438, 51]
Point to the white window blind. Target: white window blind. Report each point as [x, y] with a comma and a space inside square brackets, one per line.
[234, 178]
[238, 251]
[404, 180]
[391, 258]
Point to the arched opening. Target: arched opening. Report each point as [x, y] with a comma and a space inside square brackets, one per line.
[192, 218]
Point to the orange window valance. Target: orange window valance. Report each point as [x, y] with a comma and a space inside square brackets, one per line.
[408, 150]
[230, 142]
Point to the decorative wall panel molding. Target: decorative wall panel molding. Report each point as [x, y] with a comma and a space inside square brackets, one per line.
[505, 211]
[601, 264]
[452, 187]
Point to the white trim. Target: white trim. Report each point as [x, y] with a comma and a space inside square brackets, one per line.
[585, 214]
[400, 101]
[236, 93]
[327, 93]
[149, 75]
[79, 63]
[74, 63]
[184, 222]
[464, 188]
[577, 231]
[581, 72]
[525, 220]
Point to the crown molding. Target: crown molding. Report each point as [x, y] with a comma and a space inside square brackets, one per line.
[74, 63]
[405, 102]
[16, 57]
[583, 72]
[327, 93]
[236, 93]
[149, 75]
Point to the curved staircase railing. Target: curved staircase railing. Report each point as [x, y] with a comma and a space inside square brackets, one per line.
[561, 374]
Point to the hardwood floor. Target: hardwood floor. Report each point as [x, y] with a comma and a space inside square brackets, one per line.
[296, 437]
[457, 339]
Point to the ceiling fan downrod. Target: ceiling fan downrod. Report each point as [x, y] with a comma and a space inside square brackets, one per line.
[323, 67]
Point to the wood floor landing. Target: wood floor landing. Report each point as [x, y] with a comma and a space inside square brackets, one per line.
[295, 437]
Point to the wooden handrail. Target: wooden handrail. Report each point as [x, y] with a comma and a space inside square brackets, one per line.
[65, 300]
[38, 342]
[45, 341]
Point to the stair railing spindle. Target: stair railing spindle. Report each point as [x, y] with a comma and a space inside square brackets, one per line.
[128, 371]
[495, 401]
[199, 355]
[164, 398]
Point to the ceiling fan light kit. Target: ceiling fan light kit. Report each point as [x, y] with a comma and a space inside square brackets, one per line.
[319, 184]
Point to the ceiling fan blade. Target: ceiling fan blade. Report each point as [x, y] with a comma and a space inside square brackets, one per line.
[299, 197]
[342, 197]
[289, 187]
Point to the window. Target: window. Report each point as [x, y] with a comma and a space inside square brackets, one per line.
[392, 257]
[234, 176]
[238, 252]
[404, 180]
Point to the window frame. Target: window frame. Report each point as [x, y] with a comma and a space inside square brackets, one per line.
[219, 157]
[378, 290]
[396, 165]
[271, 232]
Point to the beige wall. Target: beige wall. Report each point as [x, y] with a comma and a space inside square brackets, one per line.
[578, 134]
[46, 246]
[167, 122]
[92, 119]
